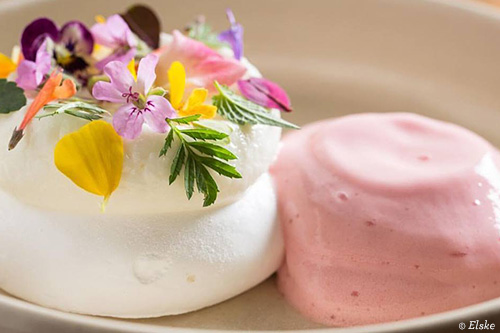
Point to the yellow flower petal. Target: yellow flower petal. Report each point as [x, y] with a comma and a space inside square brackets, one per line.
[7, 66]
[92, 158]
[197, 97]
[100, 19]
[206, 111]
[177, 79]
[131, 68]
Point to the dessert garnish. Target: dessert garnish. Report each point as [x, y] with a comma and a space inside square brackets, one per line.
[11, 97]
[123, 80]
[234, 35]
[92, 158]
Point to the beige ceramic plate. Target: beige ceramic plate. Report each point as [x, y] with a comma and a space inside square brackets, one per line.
[438, 58]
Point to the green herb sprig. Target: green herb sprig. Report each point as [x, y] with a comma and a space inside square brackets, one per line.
[198, 151]
[202, 32]
[241, 111]
[76, 107]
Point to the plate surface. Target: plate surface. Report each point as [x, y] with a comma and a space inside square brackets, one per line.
[335, 57]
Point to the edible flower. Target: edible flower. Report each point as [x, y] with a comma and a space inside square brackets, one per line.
[9, 65]
[203, 65]
[72, 44]
[52, 90]
[194, 104]
[234, 35]
[144, 23]
[30, 74]
[92, 158]
[265, 93]
[139, 102]
[115, 34]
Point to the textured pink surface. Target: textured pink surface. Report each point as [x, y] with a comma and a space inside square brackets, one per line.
[386, 217]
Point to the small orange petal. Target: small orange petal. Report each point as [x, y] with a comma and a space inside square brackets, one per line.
[44, 96]
[65, 90]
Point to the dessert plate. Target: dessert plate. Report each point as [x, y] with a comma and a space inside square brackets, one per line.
[437, 58]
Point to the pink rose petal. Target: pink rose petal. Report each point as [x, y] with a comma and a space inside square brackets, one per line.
[203, 65]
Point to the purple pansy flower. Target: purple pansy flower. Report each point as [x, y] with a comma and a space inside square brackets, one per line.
[30, 74]
[137, 106]
[266, 93]
[115, 34]
[72, 43]
[234, 35]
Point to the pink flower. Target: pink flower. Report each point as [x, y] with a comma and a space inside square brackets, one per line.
[203, 65]
[30, 74]
[138, 106]
[266, 93]
[115, 34]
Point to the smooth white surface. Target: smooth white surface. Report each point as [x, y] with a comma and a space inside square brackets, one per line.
[438, 58]
[136, 265]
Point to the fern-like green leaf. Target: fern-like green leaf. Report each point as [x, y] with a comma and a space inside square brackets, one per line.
[241, 111]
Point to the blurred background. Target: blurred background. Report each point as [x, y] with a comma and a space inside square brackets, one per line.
[336, 57]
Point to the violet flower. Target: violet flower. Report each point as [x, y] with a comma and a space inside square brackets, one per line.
[30, 74]
[72, 44]
[138, 105]
[116, 35]
[265, 93]
[234, 35]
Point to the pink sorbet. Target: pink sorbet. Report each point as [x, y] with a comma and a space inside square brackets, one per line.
[387, 217]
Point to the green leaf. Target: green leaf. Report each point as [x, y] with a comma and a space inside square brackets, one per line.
[204, 134]
[186, 120]
[11, 97]
[168, 143]
[196, 156]
[213, 150]
[210, 188]
[220, 167]
[219, 126]
[177, 164]
[80, 109]
[189, 176]
[241, 111]
[83, 115]
[200, 180]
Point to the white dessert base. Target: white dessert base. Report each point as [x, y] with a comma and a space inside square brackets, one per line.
[139, 266]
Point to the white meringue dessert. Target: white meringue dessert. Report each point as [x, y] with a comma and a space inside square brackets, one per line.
[153, 252]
